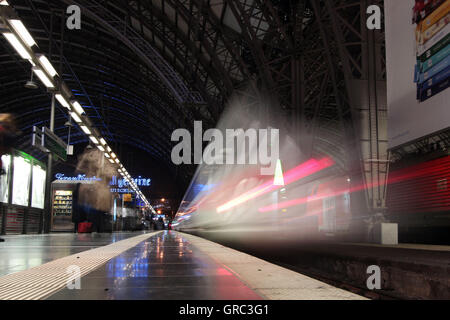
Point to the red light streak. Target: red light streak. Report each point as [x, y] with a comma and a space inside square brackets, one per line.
[306, 169]
[396, 177]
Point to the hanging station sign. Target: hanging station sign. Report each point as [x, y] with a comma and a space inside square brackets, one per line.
[47, 141]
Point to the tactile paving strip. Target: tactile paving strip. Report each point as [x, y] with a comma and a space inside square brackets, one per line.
[41, 281]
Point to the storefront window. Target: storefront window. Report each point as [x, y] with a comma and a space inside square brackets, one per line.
[37, 200]
[21, 187]
[4, 179]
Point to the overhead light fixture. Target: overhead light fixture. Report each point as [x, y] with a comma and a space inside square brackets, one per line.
[23, 32]
[86, 130]
[47, 66]
[102, 141]
[78, 107]
[31, 84]
[93, 139]
[108, 148]
[101, 148]
[107, 155]
[12, 39]
[62, 101]
[4, 3]
[45, 80]
[113, 155]
[75, 117]
[110, 160]
[117, 161]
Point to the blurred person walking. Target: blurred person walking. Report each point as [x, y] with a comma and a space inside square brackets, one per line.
[8, 136]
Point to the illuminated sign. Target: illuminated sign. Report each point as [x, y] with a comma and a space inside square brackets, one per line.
[118, 185]
[80, 177]
[141, 182]
[122, 184]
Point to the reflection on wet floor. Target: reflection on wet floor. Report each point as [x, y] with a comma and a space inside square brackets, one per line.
[22, 252]
[165, 266]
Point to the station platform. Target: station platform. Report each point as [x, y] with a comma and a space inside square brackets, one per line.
[407, 271]
[162, 265]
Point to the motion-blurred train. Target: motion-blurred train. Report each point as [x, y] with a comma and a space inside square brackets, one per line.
[313, 202]
[418, 199]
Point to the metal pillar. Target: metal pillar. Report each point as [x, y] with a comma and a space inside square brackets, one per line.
[48, 181]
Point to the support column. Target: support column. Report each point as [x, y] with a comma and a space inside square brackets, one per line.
[48, 182]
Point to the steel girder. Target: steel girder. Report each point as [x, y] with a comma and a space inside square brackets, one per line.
[362, 56]
[162, 118]
[315, 57]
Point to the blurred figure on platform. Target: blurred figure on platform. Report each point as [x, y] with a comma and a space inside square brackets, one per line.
[78, 214]
[161, 224]
[95, 200]
[8, 136]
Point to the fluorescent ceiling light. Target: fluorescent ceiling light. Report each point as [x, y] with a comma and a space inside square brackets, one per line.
[23, 32]
[101, 148]
[45, 80]
[75, 117]
[102, 141]
[117, 161]
[108, 148]
[47, 66]
[12, 39]
[113, 155]
[62, 101]
[93, 139]
[85, 130]
[78, 107]
[107, 155]
[111, 160]
[4, 3]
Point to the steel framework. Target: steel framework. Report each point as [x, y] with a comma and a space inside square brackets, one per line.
[158, 65]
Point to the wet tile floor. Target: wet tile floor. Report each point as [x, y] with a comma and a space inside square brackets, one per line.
[22, 252]
[164, 267]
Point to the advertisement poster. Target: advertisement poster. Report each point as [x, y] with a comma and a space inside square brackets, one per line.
[418, 68]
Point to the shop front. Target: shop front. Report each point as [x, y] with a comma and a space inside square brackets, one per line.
[76, 199]
[22, 193]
